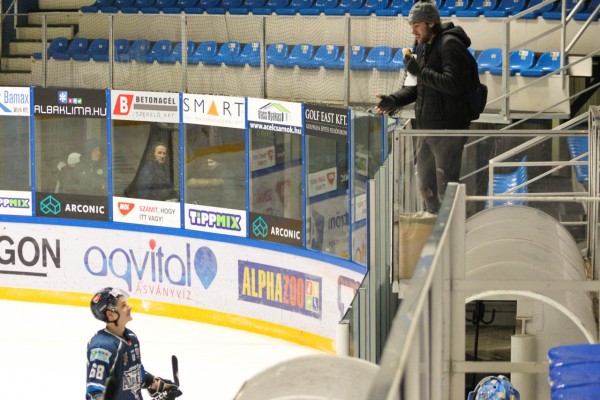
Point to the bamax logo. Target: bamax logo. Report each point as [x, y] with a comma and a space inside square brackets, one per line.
[125, 208]
[123, 104]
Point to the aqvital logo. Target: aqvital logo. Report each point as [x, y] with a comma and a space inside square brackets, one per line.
[50, 205]
[260, 228]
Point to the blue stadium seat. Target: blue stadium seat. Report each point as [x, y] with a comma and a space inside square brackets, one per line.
[319, 6]
[180, 6]
[395, 8]
[556, 14]
[277, 55]
[119, 5]
[325, 54]
[300, 54]
[78, 47]
[227, 5]
[160, 50]
[140, 6]
[407, 6]
[205, 53]
[504, 183]
[370, 7]
[58, 49]
[121, 52]
[139, 50]
[546, 64]
[477, 8]
[294, 7]
[94, 8]
[344, 7]
[379, 56]
[205, 5]
[578, 145]
[250, 55]
[577, 392]
[98, 50]
[586, 12]
[489, 58]
[395, 64]
[270, 7]
[574, 373]
[518, 60]
[451, 7]
[540, 11]
[357, 57]
[248, 6]
[176, 54]
[228, 52]
[162, 4]
[506, 8]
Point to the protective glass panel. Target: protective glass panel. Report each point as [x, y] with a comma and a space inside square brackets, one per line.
[215, 166]
[146, 160]
[14, 161]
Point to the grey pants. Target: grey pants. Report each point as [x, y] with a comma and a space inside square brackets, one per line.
[438, 162]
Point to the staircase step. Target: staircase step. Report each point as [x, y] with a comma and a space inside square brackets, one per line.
[15, 78]
[22, 63]
[33, 32]
[54, 18]
[25, 47]
[63, 4]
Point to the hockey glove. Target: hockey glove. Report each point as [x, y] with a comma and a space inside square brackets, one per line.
[387, 104]
[165, 389]
[412, 66]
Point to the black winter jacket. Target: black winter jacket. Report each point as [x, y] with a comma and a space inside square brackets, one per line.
[440, 96]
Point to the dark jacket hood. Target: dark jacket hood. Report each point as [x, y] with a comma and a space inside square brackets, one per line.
[448, 28]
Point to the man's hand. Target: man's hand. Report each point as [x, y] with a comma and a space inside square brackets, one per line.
[386, 105]
[412, 66]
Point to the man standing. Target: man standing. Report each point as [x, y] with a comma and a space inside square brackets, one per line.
[444, 77]
[114, 352]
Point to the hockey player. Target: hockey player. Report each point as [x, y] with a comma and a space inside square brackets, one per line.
[114, 352]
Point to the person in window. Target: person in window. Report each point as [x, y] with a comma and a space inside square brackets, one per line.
[154, 181]
[93, 170]
[69, 176]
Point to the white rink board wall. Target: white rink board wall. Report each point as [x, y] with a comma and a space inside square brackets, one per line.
[280, 288]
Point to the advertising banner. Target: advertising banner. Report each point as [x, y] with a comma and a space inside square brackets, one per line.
[215, 220]
[60, 205]
[80, 103]
[214, 110]
[15, 203]
[327, 122]
[240, 281]
[144, 106]
[146, 212]
[275, 116]
[15, 101]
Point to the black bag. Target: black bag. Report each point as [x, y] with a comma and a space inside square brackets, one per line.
[477, 95]
[477, 98]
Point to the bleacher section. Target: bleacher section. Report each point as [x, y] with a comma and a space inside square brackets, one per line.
[459, 8]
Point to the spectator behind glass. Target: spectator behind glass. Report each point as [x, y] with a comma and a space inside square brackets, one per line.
[154, 180]
[69, 175]
[93, 170]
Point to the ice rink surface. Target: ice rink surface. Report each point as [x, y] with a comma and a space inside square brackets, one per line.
[43, 352]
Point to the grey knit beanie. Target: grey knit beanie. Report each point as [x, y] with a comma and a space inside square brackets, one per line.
[424, 11]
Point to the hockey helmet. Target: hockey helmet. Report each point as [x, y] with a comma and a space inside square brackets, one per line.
[106, 299]
[494, 388]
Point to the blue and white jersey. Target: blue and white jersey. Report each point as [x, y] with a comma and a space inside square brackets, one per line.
[109, 355]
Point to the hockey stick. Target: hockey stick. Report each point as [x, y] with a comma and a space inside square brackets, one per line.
[175, 365]
[110, 389]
